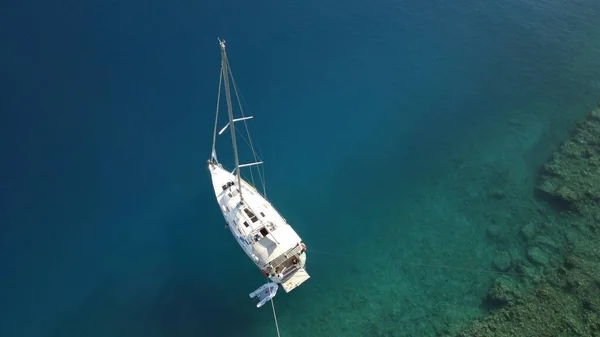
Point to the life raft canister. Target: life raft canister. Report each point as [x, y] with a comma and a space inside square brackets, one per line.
[303, 247]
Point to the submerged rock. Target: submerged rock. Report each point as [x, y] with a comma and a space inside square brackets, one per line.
[494, 231]
[543, 240]
[596, 113]
[566, 301]
[571, 261]
[571, 180]
[497, 194]
[502, 261]
[503, 292]
[538, 256]
[528, 231]
[566, 194]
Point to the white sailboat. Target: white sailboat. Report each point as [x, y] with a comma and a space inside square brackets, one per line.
[266, 237]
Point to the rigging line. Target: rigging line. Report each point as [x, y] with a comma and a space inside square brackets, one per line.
[256, 158]
[238, 94]
[254, 154]
[488, 271]
[213, 153]
[225, 64]
[250, 144]
[263, 174]
[251, 168]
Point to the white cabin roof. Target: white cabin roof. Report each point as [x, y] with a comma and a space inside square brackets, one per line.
[253, 219]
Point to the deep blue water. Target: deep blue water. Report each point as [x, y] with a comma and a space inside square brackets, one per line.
[109, 224]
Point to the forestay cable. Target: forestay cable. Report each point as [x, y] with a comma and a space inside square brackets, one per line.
[214, 153]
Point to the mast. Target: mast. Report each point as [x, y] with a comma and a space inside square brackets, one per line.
[225, 74]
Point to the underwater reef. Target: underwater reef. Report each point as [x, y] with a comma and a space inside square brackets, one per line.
[557, 289]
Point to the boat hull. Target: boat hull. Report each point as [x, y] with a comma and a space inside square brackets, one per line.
[264, 235]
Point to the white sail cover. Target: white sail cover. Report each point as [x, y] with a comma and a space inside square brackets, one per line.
[265, 292]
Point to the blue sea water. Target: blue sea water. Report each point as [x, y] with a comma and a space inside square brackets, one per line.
[383, 125]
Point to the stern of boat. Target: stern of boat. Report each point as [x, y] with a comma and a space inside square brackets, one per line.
[289, 270]
[295, 279]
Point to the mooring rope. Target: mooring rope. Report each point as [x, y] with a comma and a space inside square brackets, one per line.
[488, 271]
[406, 263]
[275, 317]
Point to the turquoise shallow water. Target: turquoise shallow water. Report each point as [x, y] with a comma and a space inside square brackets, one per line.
[385, 127]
